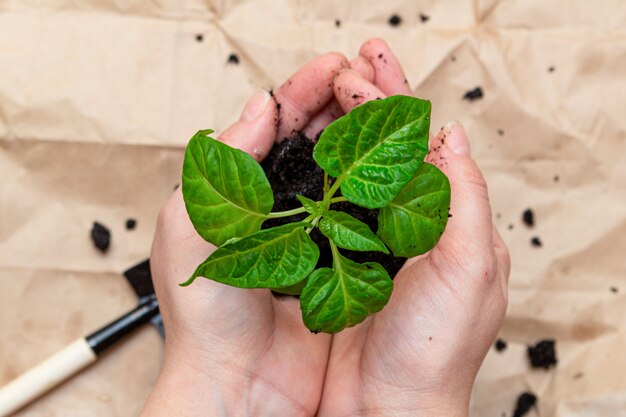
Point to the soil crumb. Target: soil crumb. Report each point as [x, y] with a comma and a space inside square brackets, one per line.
[131, 224]
[424, 18]
[525, 402]
[291, 170]
[500, 345]
[395, 20]
[536, 242]
[337, 23]
[543, 354]
[199, 37]
[551, 69]
[101, 236]
[528, 217]
[475, 94]
[233, 59]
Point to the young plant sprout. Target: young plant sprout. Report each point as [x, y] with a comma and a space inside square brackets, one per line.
[372, 157]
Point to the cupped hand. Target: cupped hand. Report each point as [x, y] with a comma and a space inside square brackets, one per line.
[419, 356]
[232, 351]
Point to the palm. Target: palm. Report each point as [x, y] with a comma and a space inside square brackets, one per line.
[250, 337]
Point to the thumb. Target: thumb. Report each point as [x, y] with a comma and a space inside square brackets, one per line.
[255, 131]
[469, 230]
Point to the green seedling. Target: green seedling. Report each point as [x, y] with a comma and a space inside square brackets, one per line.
[372, 157]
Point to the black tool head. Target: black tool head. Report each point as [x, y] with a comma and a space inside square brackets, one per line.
[140, 278]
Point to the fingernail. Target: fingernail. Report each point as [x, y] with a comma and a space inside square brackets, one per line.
[456, 138]
[256, 106]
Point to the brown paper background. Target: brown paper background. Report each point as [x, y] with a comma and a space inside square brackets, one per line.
[98, 98]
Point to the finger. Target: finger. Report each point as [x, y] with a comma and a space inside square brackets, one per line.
[469, 230]
[255, 132]
[389, 76]
[363, 67]
[307, 92]
[333, 110]
[351, 90]
[329, 114]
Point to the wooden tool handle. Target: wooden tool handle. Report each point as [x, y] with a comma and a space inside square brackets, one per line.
[45, 376]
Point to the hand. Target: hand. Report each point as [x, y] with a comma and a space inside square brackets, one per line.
[232, 351]
[419, 356]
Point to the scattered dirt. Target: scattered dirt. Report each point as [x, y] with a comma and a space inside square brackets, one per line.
[199, 37]
[233, 58]
[551, 69]
[543, 354]
[528, 217]
[395, 20]
[291, 170]
[475, 94]
[500, 345]
[101, 236]
[131, 224]
[536, 242]
[337, 23]
[525, 402]
[424, 18]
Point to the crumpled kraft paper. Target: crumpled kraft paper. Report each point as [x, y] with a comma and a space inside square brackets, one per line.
[98, 99]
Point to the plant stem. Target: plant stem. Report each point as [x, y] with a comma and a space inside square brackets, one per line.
[325, 181]
[314, 223]
[286, 213]
[339, 199]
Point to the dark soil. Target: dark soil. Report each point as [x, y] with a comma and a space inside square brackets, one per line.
[424, 18]
[199, 37]
[337, 23]
[543, 354]
[101, 236]
[536, 242]
[291, 170]
[500, 345]
[131, 224]
[474, 94]
[395, 20]
[233, 59]
[525, 402]
[528, 216]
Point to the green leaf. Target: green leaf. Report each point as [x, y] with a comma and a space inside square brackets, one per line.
[349, 233]
[413, 223]
[226, 192]
[309, 205]
[295, 289]
[272, 258]
[344, 296]
[374, 150]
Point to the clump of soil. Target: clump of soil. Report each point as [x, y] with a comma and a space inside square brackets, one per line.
[395, 20]
[101, 236]
[424, 18]
[536, 242]
[131, 224]
[199, 37]
[337, 23]
[500, 345]
[525, 402]
[291, 169]
[528, 217]
[474, 94]
[543, 354]
[233, 59]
